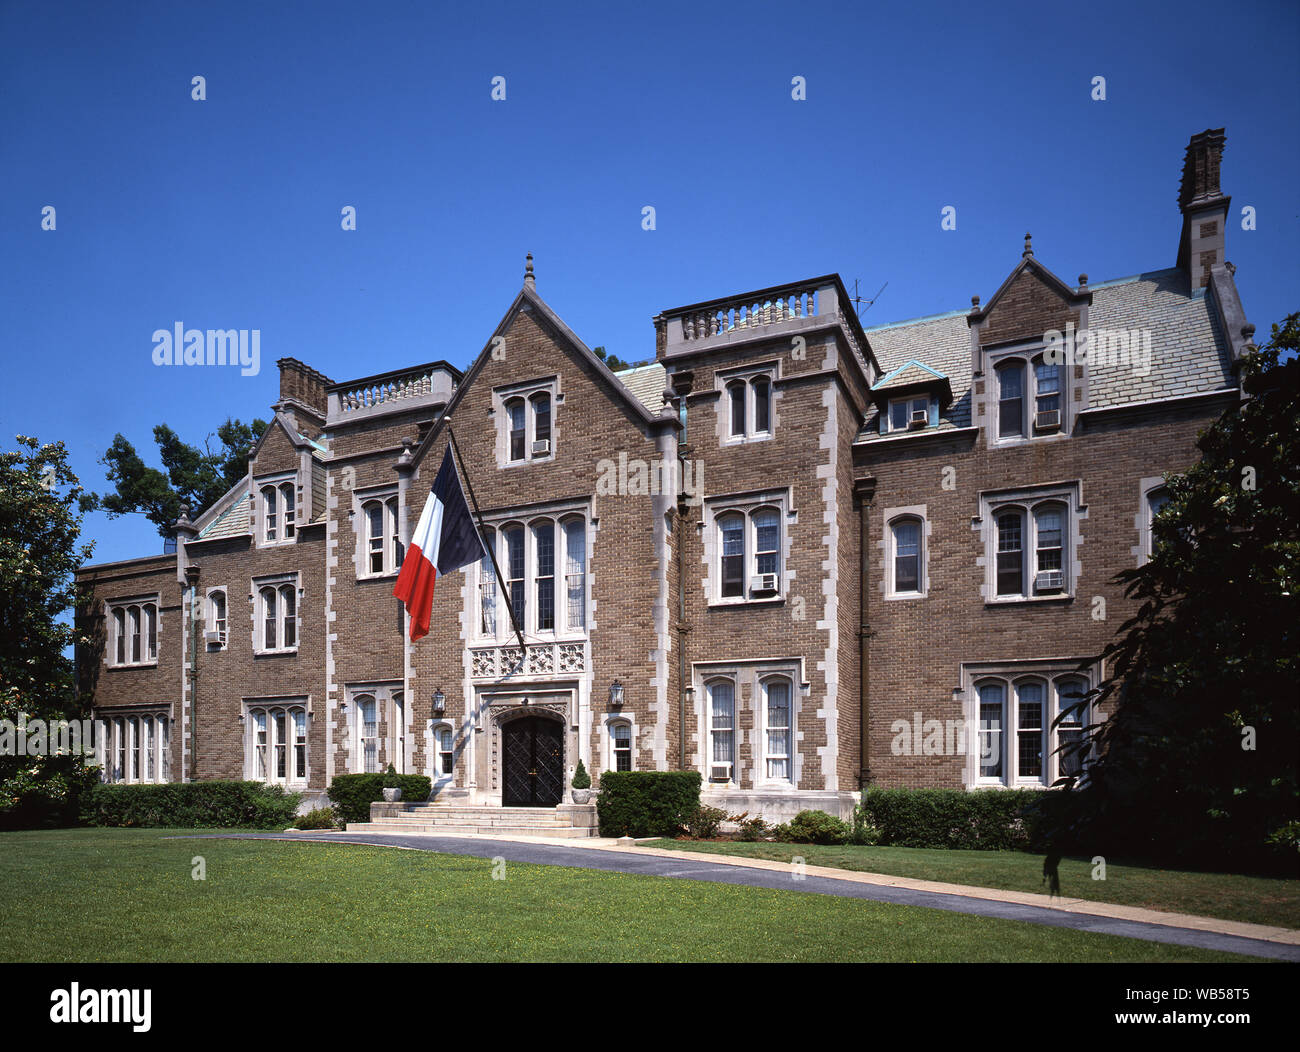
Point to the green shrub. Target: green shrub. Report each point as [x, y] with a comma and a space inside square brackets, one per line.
[317, 818]
[191, 805]
[581, 779]
[705, 822]
[647, 803]
[864, 833]
[814, 827]
[352, 794]
[752, 828]
[984, 819]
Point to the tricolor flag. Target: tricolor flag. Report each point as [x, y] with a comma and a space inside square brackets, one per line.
[444, 540]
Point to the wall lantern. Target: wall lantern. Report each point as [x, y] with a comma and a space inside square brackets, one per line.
[616, 695]
[439, 700]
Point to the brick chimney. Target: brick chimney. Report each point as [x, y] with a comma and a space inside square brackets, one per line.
[302, 393]
[1204, 208]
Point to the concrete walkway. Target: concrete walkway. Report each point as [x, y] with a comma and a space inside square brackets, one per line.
[1208, 933]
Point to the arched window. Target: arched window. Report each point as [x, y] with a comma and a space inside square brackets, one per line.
[287, 509]
[1030, 728]
[217, 616]
[279, 612]
[261, 744]
[277, 744]
[736, 396]
[731, 528]
[1011, 398]
[119, 636]
[722, 730]
[544, 575]
[1011, 552]
[992, 701]
[1047, 396]
[518, 429]
[1154, 502]
[146, 747]
[1049, 542]
[133, 622]
[1071, 710]
[445, 740]
[906, 536]
[541, 404]
[620, 739]
[270, 514]
[777, 714]
[762, 405]
[487, 587]
[575, 573]
[382, 544]
[368, 732]
[515, 570]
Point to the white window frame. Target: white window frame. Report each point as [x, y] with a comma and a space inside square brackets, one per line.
[281, 740]
[437, 754]
[1053, 676]
[280, 584]
[528, 393]
[1150, 489]
[390, 549]
[213, 623]
[621, 723]
[767, 727]
[710, 685]
[137, 615]
[560, 518]
[391, 713]
[893, 518]
[130, 735]
[750, 377]
[277, 526]
[1029, 359]
[1030, 504]
[911, 403]
[717, 511]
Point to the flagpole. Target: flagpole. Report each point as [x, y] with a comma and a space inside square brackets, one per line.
[491, 548]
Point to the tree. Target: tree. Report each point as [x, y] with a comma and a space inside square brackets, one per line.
[41, 503]
[197, 477]
[1197, 763]
[612, 360]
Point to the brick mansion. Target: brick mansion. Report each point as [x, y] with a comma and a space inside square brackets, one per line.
[751, 558]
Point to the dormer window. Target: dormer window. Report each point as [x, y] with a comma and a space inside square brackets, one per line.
[526, 433]
[909, 414]
[1029, 398]
[278, 511]
[1011, 398]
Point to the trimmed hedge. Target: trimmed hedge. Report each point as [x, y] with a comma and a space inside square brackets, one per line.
[191, 805]
[984, 819]
[647, 803]
[352, 794]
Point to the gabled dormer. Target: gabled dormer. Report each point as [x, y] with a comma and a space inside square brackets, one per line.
[911, 397]
[1028, 382]
[287, 490]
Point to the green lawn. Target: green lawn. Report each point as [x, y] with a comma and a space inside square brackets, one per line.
[128, 895]
[1258, 900]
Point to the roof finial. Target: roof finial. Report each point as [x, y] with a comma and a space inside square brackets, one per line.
[1029, 247]
[529, 280]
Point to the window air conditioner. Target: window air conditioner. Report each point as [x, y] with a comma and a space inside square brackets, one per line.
[920, 417]
[541, 447]
[1049, 581]
[720, 772]
[214, 637]
[763, 583]
[1048, 420]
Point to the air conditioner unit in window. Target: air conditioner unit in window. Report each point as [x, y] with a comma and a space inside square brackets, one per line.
[920, 418]
[214, 637]
[720, 772]
[763, 584]
[541, 447]
[1047, 420]
[1049, 581]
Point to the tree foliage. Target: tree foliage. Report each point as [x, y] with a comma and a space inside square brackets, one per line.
[193, 476]
[1198, 761]
[41, 504]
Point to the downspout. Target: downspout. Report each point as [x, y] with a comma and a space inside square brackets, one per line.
[681, 387]
[864, 492]
[192, 581]
[188, 578]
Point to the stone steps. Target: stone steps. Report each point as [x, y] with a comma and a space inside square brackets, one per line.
[565, 822]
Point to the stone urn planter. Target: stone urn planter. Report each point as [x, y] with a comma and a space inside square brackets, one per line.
[582, 796]
[392, 795]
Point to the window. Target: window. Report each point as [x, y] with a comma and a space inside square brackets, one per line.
[722, 730]
[526, 418]
[1047, 396]
[1011, 398]
[277, 617]
[383, 551]
[543, 566]
[749, 407]
[1030, 389]
[620, 735]
[909, 413]
[1153, 501]
[216, 631]
[1029, 543]
[134, 748]
[446, 749]
[776, 730]
[279, 518]
[134, 628]
[1030, 728]
[748, 560]
[368, 720]
[906, 570]
[275, 747]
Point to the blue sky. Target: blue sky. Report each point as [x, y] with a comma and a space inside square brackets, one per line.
[225, 213]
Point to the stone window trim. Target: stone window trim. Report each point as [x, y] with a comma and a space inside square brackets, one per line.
[275, 523]
[1151, 488]
[440, 758]
[530, 395]
[216, 617]
[751, 392]
[608, 744]
[132, 745]
[1052, 673]
[277, 735]
[888, 544]
[1030, 355]
[390, 548]
[568, 624]
[720, 511]
[1030, 501]
[133, 631]
[388, 733]
[748, 680]
[263, 607]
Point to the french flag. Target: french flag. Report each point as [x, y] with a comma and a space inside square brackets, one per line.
[444, 540]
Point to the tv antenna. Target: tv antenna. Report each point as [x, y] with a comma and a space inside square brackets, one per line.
[858, 300]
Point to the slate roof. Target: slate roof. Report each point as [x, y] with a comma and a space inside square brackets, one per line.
[647, 383]
[1189, 351]
[235, 521]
